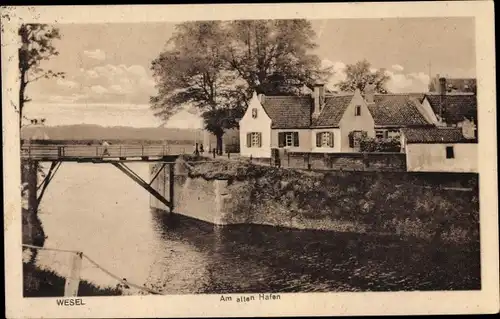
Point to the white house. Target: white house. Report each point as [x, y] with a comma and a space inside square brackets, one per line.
[255, 130]
[439, 149]
[327, 123]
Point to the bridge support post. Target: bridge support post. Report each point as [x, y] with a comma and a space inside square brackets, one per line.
[54, 166]
[73, 279]
[136, 178]
[171, 183]
[29, 180]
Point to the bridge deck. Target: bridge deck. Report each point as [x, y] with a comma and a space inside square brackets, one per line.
[98, 153]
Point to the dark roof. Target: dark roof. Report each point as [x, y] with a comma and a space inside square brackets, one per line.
[388, 110]
[333, 110]
[288, 111]
[397, 110]
[462, 85]
[456, 106]
[433, 135]
[455, 84]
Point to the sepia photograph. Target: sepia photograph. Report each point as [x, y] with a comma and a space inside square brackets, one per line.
[247, 159]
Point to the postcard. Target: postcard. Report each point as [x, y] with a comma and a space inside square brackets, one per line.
[250, 160]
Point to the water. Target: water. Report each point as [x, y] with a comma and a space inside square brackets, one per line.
[96, 209]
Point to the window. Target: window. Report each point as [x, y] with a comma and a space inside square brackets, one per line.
[380, 133]
[288, 139]
[324, 139]
[450, 152]
[393, 133]
[355, 137]
[254, 113]
[357, 110]
[254, 139]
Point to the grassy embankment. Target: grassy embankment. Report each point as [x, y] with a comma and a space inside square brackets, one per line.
[430, 206]
[45, 283]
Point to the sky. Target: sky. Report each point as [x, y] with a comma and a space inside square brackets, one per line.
[108, 80]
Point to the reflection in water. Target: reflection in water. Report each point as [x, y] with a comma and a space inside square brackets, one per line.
[96, 209]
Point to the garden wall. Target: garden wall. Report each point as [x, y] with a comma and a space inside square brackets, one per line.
[344, 161]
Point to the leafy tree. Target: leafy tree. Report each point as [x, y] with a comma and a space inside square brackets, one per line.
[273, 56]
[192, 72]
[36, 46]
[215, 66]
[359, 74]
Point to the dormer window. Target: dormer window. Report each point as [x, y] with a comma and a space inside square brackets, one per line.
[254, 113]
[357, 110]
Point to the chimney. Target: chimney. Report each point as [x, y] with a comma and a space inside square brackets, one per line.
[370, 93]
[319, 98]
[442, 85]
[442, 93]
[262, 98]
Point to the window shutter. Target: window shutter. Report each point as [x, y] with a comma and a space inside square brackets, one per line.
[295, 138]
[351, 140]
[260, 139]
[318, 139]
[331, 138]
[281, 139]
[249, 139]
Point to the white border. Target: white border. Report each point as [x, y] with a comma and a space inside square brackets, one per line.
[309, 304]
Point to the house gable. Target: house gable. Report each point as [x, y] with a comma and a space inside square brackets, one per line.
[254, 106]
[255, 120]
[355, 120]
[349, 117]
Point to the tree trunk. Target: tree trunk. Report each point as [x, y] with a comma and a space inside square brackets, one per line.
[21, 104]
[219, 143]
[22, 89]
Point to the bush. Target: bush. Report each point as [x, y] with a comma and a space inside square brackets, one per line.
[370, 144]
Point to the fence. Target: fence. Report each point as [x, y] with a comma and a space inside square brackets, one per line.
[73, 278]
[337, 161]
[34, 151]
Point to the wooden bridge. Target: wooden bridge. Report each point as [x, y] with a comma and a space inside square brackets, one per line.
[116, 155]
[98, 153]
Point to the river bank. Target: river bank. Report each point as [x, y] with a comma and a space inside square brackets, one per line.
[434, 207]
[45, 283]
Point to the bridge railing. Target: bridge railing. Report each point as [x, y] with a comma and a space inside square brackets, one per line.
[99, 151]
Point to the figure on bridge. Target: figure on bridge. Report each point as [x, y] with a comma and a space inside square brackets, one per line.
[105, 146]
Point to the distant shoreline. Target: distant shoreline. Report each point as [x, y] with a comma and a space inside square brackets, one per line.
[111, 141]
[90, 133]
